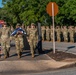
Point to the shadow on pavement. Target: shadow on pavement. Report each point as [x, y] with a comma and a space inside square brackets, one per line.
[71, 47]
[46, 51]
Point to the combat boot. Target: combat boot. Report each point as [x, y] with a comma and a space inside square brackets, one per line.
[72, 42]
[19, 56]
[33, 55]
[58, 40]
[20, 53]
[5, 56]
[66, 41]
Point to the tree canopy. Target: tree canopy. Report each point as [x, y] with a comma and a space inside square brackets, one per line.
[27, 11]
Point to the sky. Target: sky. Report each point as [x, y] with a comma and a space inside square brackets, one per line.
[0, 3]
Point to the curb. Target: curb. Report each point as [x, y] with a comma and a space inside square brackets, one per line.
[68, 66]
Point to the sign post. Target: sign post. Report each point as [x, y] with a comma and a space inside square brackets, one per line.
[53, 27]
[52, 10]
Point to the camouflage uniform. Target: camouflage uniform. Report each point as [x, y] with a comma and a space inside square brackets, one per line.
[5, 40]
[65, 34]
[71, 33]
[11, 28]
[43, 32]
[33, 38]
[19, 42]
[75, 29]
[75, 33]
[58, 32]
[28, 30]
[51, 33]
[47, 33]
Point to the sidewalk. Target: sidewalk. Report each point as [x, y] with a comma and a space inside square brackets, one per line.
[31, 66]
[28, 65]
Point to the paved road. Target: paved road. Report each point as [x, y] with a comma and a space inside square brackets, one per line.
[26, 55]
[66, 47]
[69, 71]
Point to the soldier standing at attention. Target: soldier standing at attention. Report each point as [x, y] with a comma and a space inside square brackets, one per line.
[71, 33]
[75, 33]
[19, 41]
[58, 32]
[43, 32]
[28, 30]
[5, 40]
[47, 33]
[65, 33]
[51, 33]
[11, 28]
[32, 39]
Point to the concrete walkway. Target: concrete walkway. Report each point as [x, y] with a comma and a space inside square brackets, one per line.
[25, 66]
[28, 65]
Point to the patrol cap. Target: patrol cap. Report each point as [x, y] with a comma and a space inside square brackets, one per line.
[32, 24]
[18, 24]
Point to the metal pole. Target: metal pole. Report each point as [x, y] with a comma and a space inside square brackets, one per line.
[53, 28]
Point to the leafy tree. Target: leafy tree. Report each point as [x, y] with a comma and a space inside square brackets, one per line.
[67, 12]
[27, 11]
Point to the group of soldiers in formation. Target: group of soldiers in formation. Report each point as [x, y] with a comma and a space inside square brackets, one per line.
[62, 34]
[6, 38]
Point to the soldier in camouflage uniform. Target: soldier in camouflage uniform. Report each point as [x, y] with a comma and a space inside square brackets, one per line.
[43, 32]
[58, 32]
[75, 29]
[75, 33]
[28, 30]
[51, 33]
[47, 33]
[71, 33]
[12, 28]
[33, 38]
[5, 40]
[65, 33]
[19, 41]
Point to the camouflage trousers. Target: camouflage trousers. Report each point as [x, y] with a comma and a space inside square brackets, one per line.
[65, 38]
[51, 36]
[5, 46]
[58, 37]
[32, 44]
[71, 39]
[19, 44]
[43, 36]
[47, 37]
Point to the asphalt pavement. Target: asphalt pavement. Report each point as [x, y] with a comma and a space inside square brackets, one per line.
[68, 71]
[62, 46]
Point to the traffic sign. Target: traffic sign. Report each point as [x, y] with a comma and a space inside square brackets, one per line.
[52, 10]
[49, 8]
